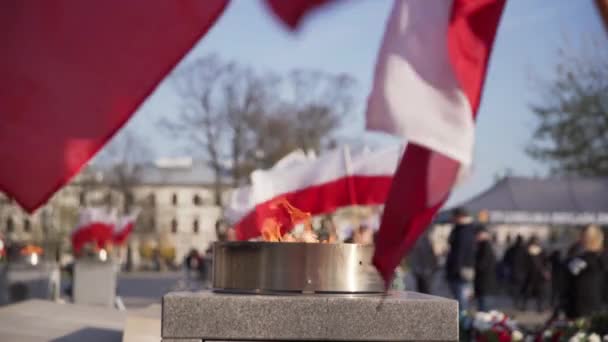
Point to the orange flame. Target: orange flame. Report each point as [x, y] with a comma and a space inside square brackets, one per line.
[31, 249]
[271, 227]
[296, 215]
[271, 230]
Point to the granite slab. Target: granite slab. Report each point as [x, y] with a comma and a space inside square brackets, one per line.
[20, 282]
[400, 316]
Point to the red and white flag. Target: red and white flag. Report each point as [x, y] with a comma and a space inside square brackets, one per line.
[336, 179]
[123, 227]
[427, 88]
[96, 226]
[72, 73]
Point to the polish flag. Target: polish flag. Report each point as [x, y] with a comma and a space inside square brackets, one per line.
[73, 72]
[123, 227]
[96, 226]
[427, 88]
[337, 179]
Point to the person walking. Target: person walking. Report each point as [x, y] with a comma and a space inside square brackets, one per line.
[485, 271]
[584, 277]
[191, 265]
[423, 263]
[537, 275]
[460, 260]
[514, 261]
[557, 275]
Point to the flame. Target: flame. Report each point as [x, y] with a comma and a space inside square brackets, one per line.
[31, 249]
[271, 227]
[296, 215]
[271, 230]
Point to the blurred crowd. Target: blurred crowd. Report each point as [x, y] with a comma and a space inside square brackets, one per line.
[569, 282]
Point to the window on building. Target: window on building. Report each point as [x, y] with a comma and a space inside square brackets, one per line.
[45, 221]
[10, 225]
[197, 200]
[82, 198]
[152, 199]
[195, 226]
[27, 226]
[174, 199]
[174, 226]
[108, 198]
[129, 199]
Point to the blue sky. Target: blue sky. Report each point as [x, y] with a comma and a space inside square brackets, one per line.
[345, 38]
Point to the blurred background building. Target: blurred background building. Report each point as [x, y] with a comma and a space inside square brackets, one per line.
[175, 196]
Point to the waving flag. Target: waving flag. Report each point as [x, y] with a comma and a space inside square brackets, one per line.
[336, 179]
[95, 226]
[427, 88]
[123, 228]
[291, 12]
[73, 72]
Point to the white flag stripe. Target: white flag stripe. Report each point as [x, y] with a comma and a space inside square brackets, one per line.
[416, 94]
[268, 184]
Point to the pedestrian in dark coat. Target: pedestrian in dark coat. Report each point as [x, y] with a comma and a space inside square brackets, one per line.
[423, 263]
[537, 274]
[460, 262]
[557, 277]
[515, 262]
[485, 271]
[584, 277]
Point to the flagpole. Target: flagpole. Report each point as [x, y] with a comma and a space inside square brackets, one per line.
[602, 6]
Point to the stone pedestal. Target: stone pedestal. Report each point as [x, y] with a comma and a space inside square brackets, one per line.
[20, 281]
[401, 316]
[95, 283]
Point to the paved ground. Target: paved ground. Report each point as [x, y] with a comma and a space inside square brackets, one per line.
[141, 289]
[40, 320]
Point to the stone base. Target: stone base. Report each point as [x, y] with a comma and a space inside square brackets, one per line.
[401, 316]
[20, 282]
[95, 283]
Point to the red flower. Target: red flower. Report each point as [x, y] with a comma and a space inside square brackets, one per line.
[504, 336]
[557, 336]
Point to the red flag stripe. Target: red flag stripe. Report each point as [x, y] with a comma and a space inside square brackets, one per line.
[99, 233]
[121, 236]
[320, 199]
[73, 72]
[471, 34]
[291, 12]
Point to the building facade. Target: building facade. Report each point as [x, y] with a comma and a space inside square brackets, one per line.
[175, 199]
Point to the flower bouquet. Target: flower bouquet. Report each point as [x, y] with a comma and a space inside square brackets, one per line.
[588, 329]
[495, 326]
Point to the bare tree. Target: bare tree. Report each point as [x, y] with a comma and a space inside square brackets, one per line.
[572, 135]
[200, 120]
[318, 103]
[243, 120]
[247, 101]
[123, 161]
[311, 107]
